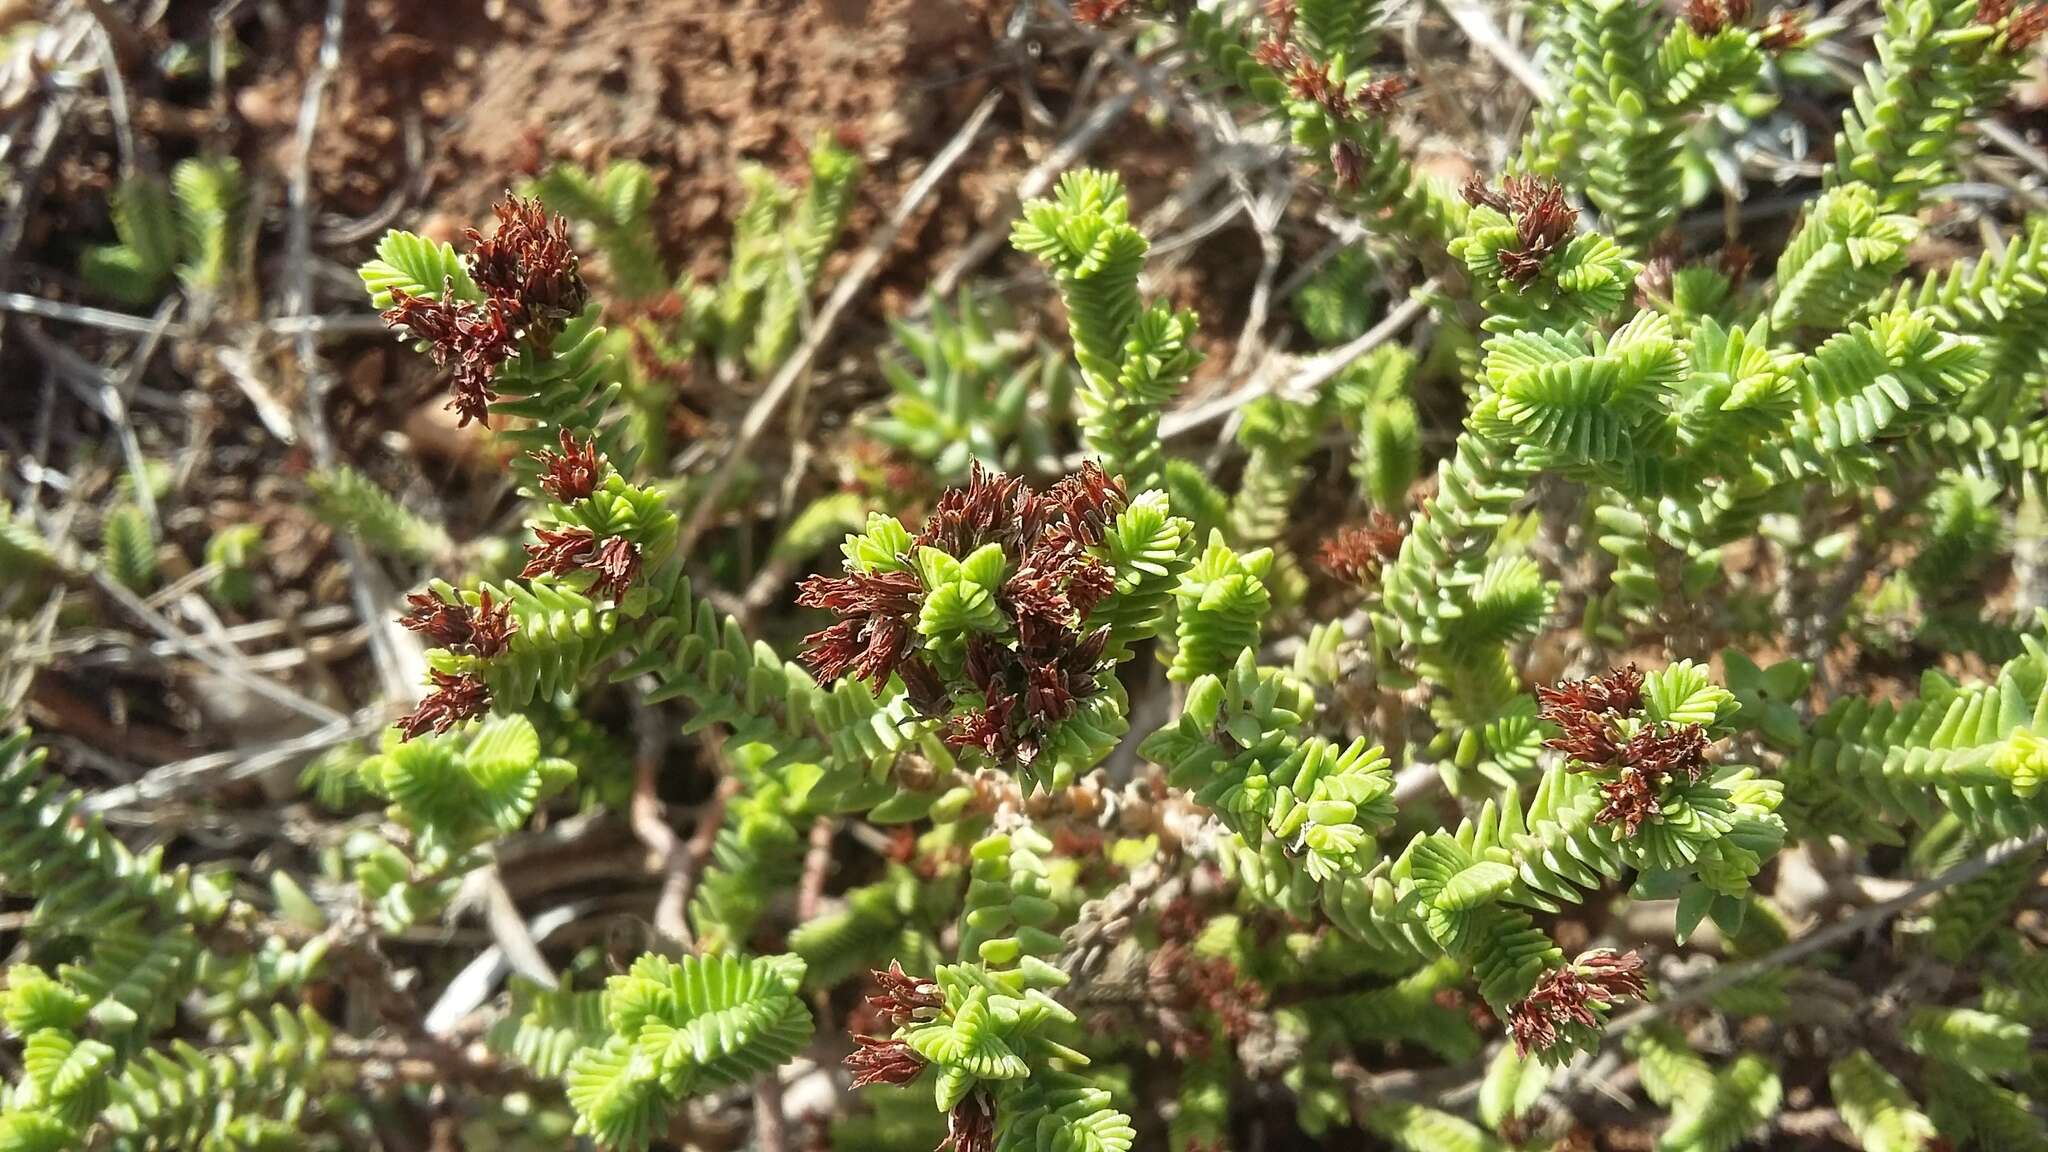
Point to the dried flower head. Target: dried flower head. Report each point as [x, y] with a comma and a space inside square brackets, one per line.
[1617, 692]
[2025, 28]
[527, 273]
[527, 265]
[1735, 262]
[1050, 586]
[1347, 164]
[1319, 84]
[1280, 19]
[1588, 738]
[878, 1061]
[904, 999]
[1709, 17]
[472, 339]
[971, 1126]
[1277, 54]
[558, 552]
[1099, 13]
[1783, 31]
[617, 566]
[455, 698]
[1665, 750]
[1653, 283]
[482, 630]
[873, 636]
[1569, 1003]
[1631, 800]
[573, 472]
[1086, 502]
[1377, 97]
[1355, 553]
[1543, 221]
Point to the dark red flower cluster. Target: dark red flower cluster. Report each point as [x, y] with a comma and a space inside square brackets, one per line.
[1099, 13]
[527, 265]
[879, 1061]
[1616, 693]
[1280, 16]
[574, 471]
[872, 638]
[531, 285]
[1660, 267]
[1319, 82]
[1180, 984]
[1316, 81]
[471, 339]
[1355, 553]
[1709, 17]
[1574, 998]
[2023, 26]
[1735, 262]
[904, 999]
[1543, 221]
[1585, 712]
[1782, 30]
[1377, 97]
[482, 631]
[1667, 750]
[1054, 582]
[1786, 30]
[971, 1127]
[615, 559]
[455, 698]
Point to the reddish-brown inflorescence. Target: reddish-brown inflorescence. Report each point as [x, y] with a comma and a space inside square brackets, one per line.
[1280, 19]
[573, 472]
[2023, 26]
[1653, 283]
[1710, 17]
[1587, 737]
[471, 338]
[558, 552]
[1356, 552]
[527, 273]
[482, 630]
[1735, 262]
[1618, 692]
[1783, 31]
[1279, 55]
[1319, 84]
[1631, 800]
[1573, 997]
[1179, 983]
[1585, 712]
[1099, 13]
[873, 635]
[1377, 97]
[1664, 751]
[1543, 221]
[971, 1126]
[904, 999]
[1704, 17]
[527, 266]
[1347, 164]
[879, 1061]
[617, 565]
[1053, 583]
[455, 698]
